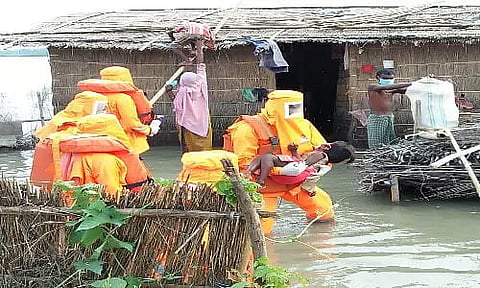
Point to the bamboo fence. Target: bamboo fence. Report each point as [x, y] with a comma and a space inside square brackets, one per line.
[169, 233]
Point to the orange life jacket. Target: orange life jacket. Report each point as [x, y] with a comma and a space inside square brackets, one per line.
[44, 169]
[268, 142]
[205, 166]
[143, 106]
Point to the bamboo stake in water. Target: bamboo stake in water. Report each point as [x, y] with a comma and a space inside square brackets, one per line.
[465, 162]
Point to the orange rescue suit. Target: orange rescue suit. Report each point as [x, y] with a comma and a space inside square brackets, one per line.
[247, 144]
[116, 83]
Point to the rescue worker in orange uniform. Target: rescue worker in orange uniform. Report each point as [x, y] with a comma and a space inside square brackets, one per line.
[84, 144]
[281, 122]
[117, 83]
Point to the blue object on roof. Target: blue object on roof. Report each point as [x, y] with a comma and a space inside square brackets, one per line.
[24, 52]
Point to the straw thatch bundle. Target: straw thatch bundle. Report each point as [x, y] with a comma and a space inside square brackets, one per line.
[169, 236]
[410, 160]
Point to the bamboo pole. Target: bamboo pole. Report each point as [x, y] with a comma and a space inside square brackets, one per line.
[162, 90]
[465, 162]
[450, 157]
[395, 192]
[65, 211]
[417, 113]
[40, 107]
[257, 239]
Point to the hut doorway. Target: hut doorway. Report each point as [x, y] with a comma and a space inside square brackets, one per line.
[314, 71]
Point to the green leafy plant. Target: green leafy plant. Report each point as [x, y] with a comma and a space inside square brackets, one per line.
[164, 182]
[270, 276]
[225, 187]
[266, 275]
[95, 230]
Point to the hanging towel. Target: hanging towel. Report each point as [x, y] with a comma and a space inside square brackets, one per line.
[270, 55]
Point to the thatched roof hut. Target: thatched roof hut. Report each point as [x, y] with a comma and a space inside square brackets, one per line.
[329, 50]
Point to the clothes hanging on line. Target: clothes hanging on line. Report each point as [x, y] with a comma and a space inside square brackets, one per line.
[270, 55]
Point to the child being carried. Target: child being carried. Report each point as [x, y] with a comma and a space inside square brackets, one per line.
[296, 170]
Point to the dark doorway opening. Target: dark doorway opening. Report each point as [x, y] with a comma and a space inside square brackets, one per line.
[314, 71]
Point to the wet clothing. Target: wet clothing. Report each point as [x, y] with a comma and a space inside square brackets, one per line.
[380, 130]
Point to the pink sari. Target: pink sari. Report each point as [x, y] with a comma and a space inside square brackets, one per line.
[191, 102]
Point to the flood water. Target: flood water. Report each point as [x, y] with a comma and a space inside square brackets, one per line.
[372, 243]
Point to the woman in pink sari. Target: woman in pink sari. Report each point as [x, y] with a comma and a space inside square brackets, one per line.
[192, 115]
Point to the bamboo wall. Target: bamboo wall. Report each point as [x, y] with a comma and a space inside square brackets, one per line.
[460, 63]
[228, 72]
[342, 120]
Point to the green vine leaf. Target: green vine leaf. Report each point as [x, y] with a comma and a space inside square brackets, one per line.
[133, 282]
[107, 215]
[87, 237]
[74, 223]
[95, 228]
[98, 252]
[94, 266]
[261, 262]
[81, 203]
[110, 283]
[114, 243]
[96, 205]
[293, 239]
[64, 185]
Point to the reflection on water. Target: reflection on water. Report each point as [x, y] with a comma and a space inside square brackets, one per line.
[16, 164]
[372, 243]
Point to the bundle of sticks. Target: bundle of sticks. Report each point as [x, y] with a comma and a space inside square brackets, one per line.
[413, 161]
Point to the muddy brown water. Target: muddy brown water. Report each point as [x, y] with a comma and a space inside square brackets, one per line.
[372, 243]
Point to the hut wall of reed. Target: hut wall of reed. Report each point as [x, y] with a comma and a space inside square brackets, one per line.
[342, 119]
[228, 72]
[454, 61]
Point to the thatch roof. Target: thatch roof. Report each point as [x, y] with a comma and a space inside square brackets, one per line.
[145, 29]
